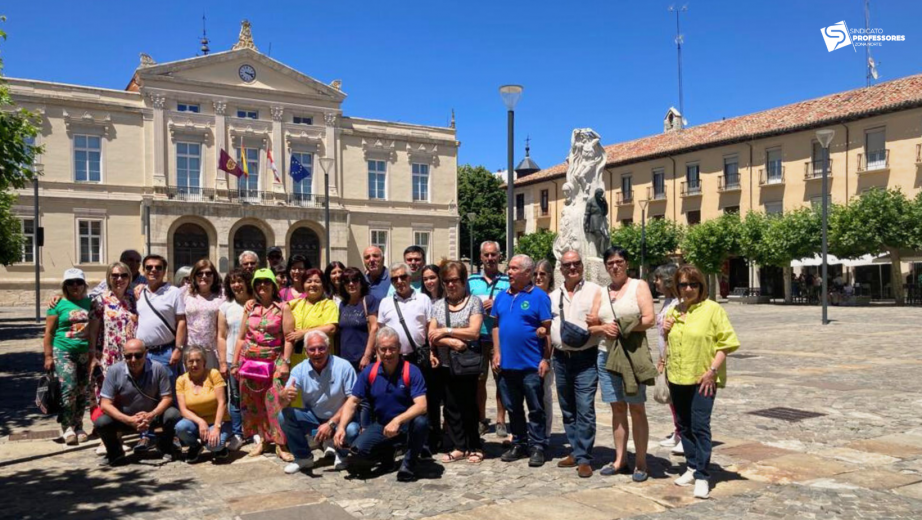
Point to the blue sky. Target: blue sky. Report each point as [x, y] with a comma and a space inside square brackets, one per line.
[609, 65]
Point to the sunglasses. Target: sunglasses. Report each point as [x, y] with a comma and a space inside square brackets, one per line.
[263, 282]
[72, 283]
[451, 281]
[572, 265]
[352, 280]
[129, 357]
[204, 274]
[689, 285]
[400, 278]
[120, 276]
[150, 268]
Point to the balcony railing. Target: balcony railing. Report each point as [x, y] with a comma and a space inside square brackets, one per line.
[772, 175]
[876, 160]
[691, 188]
[240, 196]
[814, 170]
[305, 200]
[728, 183]
[656, 194]
[519, 213]
[624, 199]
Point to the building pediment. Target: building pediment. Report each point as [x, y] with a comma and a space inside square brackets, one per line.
[243, 69]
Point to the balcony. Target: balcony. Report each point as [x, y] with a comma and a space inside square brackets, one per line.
[771, 176]
[188, 194]
[814, 170]
[240, 196]
[691, 188]
[874, 161]
[624, 199]
[656, 193]
[305, 200]
[728, 183]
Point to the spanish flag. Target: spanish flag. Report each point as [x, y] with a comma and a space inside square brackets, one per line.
[243, 159]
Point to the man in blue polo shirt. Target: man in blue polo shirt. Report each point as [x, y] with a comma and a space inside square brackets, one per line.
[379, 281]
[324, 384]
[396, 391]
[523, 319]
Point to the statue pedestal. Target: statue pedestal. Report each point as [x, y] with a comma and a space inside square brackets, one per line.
[593, 271]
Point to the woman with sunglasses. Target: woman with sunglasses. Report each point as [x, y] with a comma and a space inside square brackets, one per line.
[263, 339]
[358, 319]
[544, 279]
[312, 311]
[68, 352]
[332, 278]
[664, 280]
[432, 284]
[699, 337]
[203, 301]
[626, 301]
[297, 266]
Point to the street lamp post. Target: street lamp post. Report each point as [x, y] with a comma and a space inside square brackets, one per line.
[825, 137]
[470, 231]
[326, 164]
[643, 236]
[510, 95]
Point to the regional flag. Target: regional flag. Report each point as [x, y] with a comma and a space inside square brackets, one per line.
[297, 170]
[228, 164]
[275, 171]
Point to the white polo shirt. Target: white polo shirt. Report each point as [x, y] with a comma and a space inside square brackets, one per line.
[575, 311]
[151, 329]
[415, 310]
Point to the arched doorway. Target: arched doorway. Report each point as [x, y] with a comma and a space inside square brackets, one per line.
[304, 241]
[249, 238]
[190, 244]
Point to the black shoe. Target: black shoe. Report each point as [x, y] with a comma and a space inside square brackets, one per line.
[425, 454]
[405, 474]
[168, 455]
[192, 455]
[143, 445]
[537, 458]
[116, 462]
[514, 453]
[221, 454]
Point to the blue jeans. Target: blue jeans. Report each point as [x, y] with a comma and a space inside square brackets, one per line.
[234, 409]
[163, 357]
[371, 444]
[577, 382]
[188, 434]
[298, 424]
[694, 413]
[516, 386]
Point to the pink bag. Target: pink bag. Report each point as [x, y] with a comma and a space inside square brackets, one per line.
[257, 370]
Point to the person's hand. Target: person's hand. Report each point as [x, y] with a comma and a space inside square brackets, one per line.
[296, 336]
[203, 431]
[434, 361]
[611, 330]
[49, 362]
[487, 305]
[392, 429]
[222, 367]
[175, 357]
[364, 362]
[54, 301]
[138, 289]
[592, 320]
[248, 306]
[436, 334]
[324, 432]
[496, 359]
[707, 384]
[339, 438]
[291, 392]
[92, 364]
[668, 323]
[214, 436]
[541, 332]
[661, 365]
[234, 371]
[139, 421]
[543, 368]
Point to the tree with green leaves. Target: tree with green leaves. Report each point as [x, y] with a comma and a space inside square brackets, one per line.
[17, 154]
[662, 237]
[480, 192]
[538, 245]
[709, 244]
[877, 221]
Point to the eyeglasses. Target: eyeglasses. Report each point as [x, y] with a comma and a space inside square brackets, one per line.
[614, 263]
[129, 357]
[689, 285]
[262, 281]
[72, 283]
[400, 278]
[572, 265]
[451, 281]
[204, 274]
[120, 276]
[150, 268]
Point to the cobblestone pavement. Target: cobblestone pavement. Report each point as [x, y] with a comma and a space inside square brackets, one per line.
[862, 458]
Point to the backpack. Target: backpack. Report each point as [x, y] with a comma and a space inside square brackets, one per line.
[374, 373]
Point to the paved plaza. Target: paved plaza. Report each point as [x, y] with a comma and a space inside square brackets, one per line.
[861, 457]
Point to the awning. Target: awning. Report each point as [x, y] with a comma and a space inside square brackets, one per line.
[864, 260]
[815, 261]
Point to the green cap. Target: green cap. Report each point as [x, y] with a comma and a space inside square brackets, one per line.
[266, 274]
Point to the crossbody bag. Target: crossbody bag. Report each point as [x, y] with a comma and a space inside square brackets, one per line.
[571, 334]
[421, 351]
[467, 362]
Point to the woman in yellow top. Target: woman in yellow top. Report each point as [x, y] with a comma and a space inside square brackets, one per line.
[202, 400]
[699, 337]
[313, 311]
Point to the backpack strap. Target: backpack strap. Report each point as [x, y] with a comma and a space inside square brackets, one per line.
[374, 373]
[406, 374]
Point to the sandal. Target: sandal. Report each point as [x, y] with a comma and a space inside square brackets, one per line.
[475, 457]
[258, 449]
[282, 451]
[451, 457]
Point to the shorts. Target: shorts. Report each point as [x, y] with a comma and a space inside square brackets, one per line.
[612, 385]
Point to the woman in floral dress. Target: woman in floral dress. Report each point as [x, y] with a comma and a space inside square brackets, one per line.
[116, 314]
[203, 301]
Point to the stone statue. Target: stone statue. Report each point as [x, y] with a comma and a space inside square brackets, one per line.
[583, 228]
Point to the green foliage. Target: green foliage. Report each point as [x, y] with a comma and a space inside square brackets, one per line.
[753, 229]
[795, 235]
[480, 192]
[874, 222]
[662, 236]
[10, 236]
[538, 245]
[709, 244]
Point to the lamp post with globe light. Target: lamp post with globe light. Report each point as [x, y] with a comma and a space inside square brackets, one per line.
[825, 138]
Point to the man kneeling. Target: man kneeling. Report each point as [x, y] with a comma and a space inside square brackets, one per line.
[325, 382]
[396, 393]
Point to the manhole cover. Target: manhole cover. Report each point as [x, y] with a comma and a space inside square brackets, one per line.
[35, 436]
[787, 414]
[744, 356]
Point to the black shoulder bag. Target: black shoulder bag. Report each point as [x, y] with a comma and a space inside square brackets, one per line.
[467, 362]
[422, 352]
[571, 334]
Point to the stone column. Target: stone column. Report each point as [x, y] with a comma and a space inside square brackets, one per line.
[160, 174]
[277, 150]
[329, 150]
[220, 142]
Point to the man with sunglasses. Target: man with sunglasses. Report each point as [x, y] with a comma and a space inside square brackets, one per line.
[407, 312]
[161, 317]
[324, 384]
[415, 258]
[136, 397]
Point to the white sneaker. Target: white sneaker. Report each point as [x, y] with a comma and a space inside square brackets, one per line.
[70, 438]
[678, 449]
[702, 488]
[670, 441]
[298, 465]
[257, 439]
[235, 443]
[338, 463]
[686, 479]
[101, 449]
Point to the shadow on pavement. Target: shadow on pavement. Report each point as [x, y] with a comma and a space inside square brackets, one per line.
[17, 329]
[21, 371]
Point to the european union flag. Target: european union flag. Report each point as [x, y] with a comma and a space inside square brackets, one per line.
[297, 170]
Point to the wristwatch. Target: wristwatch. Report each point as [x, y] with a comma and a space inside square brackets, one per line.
[450, 330]
[332, 425]
[286, 361]
[714, 370]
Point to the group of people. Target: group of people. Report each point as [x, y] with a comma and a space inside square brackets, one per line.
[362, 363]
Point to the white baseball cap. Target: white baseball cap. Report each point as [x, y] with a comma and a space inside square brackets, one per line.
[74, 274]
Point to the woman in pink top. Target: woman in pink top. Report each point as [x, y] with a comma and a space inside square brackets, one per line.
[203, 300]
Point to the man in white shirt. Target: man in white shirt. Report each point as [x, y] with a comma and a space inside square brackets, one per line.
[161, 317]
[413, 306]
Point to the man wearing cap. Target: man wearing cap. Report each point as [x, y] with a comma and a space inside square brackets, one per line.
[275, 257]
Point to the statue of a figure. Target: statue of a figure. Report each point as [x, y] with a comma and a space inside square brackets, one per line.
[595, 224]
[586, 162]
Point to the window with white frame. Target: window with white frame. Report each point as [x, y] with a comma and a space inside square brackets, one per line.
[302, 120]
[245, 113]
[90, 239]
[87, 158]
[773, 170]
[420, 182]
[188, 107]
[303, 189]
[28, 240]
[377, 180]
[379, 239]
[876, 149]
[189, 168]
[249, 185]
[421, 239]
[692, 178]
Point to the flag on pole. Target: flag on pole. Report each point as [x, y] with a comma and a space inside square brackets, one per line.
[275, 171]
[228, 164]
[243, 159]
[297, 170]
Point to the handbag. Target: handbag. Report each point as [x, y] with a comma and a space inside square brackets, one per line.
[661, 390]
[571, 334]
[258, 370]
[467, 362]
[422, 352]
[48, 395]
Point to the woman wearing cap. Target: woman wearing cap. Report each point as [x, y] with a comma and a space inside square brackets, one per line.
[68, 351]
[203, 300]
[312, 311]
[262, 340]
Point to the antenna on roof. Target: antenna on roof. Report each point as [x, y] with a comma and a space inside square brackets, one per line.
[871, 66]
[679, 40]
[270, 49]
[204, 41]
